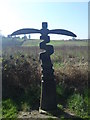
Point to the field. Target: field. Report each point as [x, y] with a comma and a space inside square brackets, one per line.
[22, 77]
[57, 43]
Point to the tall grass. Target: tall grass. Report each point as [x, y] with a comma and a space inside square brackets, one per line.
[22, 77]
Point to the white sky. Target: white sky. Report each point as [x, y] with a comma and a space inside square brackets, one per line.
[17, 14]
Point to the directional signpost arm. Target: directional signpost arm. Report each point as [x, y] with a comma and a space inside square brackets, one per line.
[62, 32]
[25, 31]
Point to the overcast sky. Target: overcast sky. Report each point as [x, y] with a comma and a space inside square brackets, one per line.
[17, 14]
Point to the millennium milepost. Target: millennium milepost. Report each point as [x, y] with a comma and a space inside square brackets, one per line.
[48, 85]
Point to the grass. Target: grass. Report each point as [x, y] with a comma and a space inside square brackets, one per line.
[31, 43]
[9, 109]
[0, 60]
[56, 43]
[69, 56]
[76, 103]
[68, 43]
[22, 75]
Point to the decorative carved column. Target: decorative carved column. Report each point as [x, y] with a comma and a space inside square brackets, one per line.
[48, 84]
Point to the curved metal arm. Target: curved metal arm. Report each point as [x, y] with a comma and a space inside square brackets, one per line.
[25, 31]
[44, 31]
[62, 31]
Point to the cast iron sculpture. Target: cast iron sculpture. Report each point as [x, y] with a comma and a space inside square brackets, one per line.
[48, 85]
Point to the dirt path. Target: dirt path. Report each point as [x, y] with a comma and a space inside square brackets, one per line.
[36, 115]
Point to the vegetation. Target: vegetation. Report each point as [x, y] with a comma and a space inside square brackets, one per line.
[9, 109]
[77, 104]
[22, 75]
[11, 42]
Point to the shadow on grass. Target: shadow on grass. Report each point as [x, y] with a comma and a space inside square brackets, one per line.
[62, 114]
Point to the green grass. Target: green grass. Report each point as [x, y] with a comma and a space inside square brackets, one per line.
[0, 59]
[31, 43]
[9, 109]
[34, 42]
[76, 103]
[56, 43]
[68, 43]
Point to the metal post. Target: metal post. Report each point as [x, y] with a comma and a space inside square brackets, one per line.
[48, 85]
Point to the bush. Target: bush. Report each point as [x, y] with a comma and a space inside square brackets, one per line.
[19, 73]
[32, 96]
[73, 77]
[77, 104]
[21, 81]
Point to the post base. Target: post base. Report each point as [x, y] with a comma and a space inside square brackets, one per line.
[42, 111]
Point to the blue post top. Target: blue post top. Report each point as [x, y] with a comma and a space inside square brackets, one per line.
[44, 31]
[44, 25]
